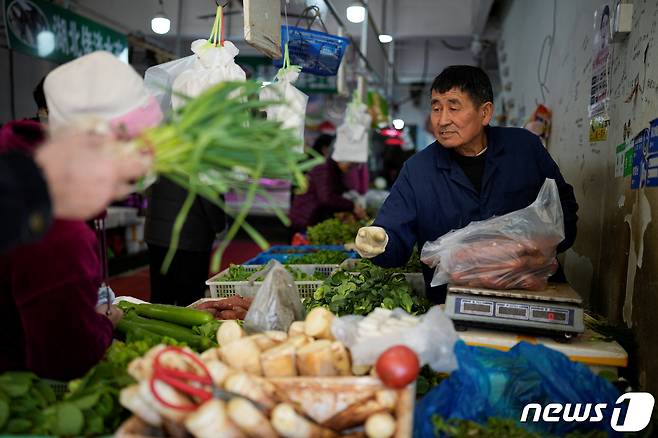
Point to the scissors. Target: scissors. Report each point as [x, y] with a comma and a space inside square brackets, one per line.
[189, 383]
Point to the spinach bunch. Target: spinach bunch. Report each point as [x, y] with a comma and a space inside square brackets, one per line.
[322, 257]
[346, 293]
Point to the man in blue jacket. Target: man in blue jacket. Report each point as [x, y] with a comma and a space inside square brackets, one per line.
[471, 173]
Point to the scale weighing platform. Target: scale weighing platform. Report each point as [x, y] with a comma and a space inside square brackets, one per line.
[556, 310]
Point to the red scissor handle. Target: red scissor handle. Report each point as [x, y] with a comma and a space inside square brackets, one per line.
[178, 378]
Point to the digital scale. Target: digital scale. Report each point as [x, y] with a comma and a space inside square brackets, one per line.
[557, 310]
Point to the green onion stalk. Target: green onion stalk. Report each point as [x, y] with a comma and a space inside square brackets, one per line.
[218, 142]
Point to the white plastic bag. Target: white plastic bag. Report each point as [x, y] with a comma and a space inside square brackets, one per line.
[159, 79]
[277, 303]
[513, 251]
[432, 337]
[351, 143]
[212, 65]
[293, 113]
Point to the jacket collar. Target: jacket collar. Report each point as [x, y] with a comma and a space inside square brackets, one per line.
[494, 149]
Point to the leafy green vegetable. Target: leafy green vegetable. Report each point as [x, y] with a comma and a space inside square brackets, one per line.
[334, 231]
[241, 273]
[70, 420]
[208, 330]
[322, 257]
[346, 293]
[427, 379]
[412, 266]
[4, 412]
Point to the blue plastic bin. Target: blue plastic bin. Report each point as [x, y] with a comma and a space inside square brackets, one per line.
[283, 253]
[315, 52]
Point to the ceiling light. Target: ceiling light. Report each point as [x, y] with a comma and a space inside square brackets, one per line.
[356, 13]
[160, 23]
[384, 38]
[398, 124]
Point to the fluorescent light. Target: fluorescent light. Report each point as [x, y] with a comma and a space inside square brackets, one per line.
[356, 13]
[398, 124]
[385, 39]
[160, 24]
[45, 42]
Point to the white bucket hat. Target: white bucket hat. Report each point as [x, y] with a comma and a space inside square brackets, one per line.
[100, 86]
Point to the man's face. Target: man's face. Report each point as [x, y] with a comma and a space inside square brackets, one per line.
[455, 119]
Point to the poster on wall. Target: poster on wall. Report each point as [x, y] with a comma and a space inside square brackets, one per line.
[652, 155]
[599, 87]
[640, 156]
[598, 128]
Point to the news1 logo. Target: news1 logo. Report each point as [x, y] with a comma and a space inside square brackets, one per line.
[638, 413]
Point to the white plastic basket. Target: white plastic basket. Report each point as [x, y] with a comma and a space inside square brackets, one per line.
[222, 289]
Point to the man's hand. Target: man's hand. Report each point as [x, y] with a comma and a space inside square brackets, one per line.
[86, 171]
[371, 241]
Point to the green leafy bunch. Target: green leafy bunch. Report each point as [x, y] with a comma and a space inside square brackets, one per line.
[346, 293]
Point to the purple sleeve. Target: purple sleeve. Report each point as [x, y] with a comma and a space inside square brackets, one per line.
[324, 184]
[55, 287]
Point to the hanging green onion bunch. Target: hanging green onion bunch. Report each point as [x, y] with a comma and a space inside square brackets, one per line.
[218, 142]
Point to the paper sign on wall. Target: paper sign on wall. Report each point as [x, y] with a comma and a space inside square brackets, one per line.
[640, 155]
[652, 157]
[628, 160]
[620, 156]
[598, 128]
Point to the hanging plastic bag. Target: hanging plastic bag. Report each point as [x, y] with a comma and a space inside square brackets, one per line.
[277, 303]
[292, 114]
[432, 336]
[513, 251]
[492, 383]
[159, 79]
[351, 143]
[214, 63]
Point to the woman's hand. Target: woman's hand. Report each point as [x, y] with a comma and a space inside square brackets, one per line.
[113, 313]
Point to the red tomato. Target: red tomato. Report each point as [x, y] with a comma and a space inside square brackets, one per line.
[398, 366]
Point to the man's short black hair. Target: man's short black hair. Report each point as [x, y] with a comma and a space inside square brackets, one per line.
[39, 95]
[470, 80]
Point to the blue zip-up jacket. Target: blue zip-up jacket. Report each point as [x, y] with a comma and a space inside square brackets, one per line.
[432, 195]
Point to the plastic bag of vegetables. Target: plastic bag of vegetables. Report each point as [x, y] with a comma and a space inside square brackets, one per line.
[431, 336]
[277, 303]
[292, 114]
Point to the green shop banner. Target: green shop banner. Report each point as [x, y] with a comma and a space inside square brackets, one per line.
[42, 29]
[260, 68]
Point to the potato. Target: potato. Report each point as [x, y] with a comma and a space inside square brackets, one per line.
[243, 355]
[211, 420]
[360, 370]
[228, 332]
[130, 399]
[252, 388]
[279, 361]
[277, 336]
[380, 425]
[316, 359]
[248, 418]
[341, 358]
[318, 323]
[262, 341]
[354, 415]
[296, 328]
[289, 424]
[219, 371]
